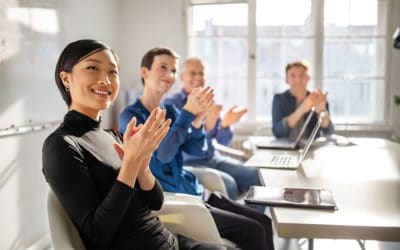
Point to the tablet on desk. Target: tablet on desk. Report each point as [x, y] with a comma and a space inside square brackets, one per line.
[291, 197]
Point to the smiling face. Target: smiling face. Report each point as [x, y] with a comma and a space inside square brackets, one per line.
[192, 75]
[161, 76]
[297, 77]
[93, 83]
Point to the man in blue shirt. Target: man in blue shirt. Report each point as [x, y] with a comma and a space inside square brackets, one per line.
[192, 76]
[290, 108]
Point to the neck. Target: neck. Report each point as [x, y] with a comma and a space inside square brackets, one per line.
[150, 100]
[94, 114]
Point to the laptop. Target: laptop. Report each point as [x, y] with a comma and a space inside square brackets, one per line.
[284, 143]
[285, 161]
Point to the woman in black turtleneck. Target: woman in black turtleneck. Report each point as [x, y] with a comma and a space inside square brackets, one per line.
[105, 184]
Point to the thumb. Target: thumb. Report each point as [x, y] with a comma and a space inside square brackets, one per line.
[119, 149]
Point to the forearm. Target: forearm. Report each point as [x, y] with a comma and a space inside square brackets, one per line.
[128, 174]
[325, 121]
[294, 117]
[146, 180]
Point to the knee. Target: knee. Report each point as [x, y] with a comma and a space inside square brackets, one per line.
[255, 233]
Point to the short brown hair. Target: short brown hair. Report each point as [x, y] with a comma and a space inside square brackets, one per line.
[302, 64]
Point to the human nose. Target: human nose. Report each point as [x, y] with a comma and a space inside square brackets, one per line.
[170, 74]
[105, 79]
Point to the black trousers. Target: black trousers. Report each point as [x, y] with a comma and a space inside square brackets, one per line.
[186, 243]
[245, 226]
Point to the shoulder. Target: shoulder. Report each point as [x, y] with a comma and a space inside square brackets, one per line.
[59, 139]
[136, 109]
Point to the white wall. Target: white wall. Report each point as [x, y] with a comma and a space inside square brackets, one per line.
[142, 26]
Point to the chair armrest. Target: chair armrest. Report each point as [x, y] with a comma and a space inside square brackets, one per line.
[209, 177]
[187, 215]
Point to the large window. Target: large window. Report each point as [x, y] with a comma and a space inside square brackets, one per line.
[247, 45]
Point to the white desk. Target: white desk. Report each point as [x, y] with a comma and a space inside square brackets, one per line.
[365, 180]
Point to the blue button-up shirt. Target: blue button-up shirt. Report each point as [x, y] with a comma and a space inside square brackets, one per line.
[285, 104]
[221, 135]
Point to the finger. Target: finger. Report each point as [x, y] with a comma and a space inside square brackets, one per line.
[232, 108]
[244, 111]
[151, 119]
[205, 90]
[158, 120]
[130, 127]
[119, 149]
[162, 131]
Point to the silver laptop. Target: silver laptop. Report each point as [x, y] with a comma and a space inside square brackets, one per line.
[284, 143]
[284, 161]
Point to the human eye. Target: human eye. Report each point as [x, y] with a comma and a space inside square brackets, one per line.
[163, 67]
[91, 67]
[114, 71]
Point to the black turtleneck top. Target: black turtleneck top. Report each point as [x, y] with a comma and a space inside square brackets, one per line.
[81, 166]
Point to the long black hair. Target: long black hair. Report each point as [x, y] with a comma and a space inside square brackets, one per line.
[71, 55]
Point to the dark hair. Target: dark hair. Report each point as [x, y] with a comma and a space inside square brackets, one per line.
[71, 55]
[148, 58]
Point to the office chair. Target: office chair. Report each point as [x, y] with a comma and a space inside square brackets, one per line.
[210, 178]
[187, 215]
[63, 234]
[180, 212]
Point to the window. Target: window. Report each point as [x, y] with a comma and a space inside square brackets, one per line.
[343, 40]
[221, 41]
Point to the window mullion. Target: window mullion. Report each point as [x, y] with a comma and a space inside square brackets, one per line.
[317, 12]
[251, 60]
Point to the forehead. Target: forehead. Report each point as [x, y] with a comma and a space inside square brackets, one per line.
[103, 56]
[297, 70]
[165, 59]
[194, 65]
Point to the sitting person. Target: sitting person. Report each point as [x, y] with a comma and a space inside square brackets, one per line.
[290, 108]
[105, 184]
[192, 76]
[242, 225]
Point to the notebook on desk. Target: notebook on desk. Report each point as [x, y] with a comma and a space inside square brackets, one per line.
[285, 161]
[291, 197]
[284, 143]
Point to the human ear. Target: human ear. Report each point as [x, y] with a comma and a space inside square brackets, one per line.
[65, 78]
[287, 80]
[143, 72]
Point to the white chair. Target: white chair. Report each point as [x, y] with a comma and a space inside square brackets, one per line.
[181, 213]
[63, 234]
[187, 215]
[209, 177]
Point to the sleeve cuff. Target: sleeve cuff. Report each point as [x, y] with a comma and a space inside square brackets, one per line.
[185, 119]
[285, 122]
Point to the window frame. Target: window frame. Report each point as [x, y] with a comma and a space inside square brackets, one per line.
[317, 13]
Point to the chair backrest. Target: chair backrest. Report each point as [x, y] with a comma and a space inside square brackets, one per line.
[62, 231]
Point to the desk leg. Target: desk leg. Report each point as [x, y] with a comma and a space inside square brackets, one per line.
[362, 244]
[310, 244]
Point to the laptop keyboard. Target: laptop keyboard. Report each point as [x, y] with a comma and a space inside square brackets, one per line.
[283, 160]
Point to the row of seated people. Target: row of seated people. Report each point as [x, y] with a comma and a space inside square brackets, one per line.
[109, 183]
